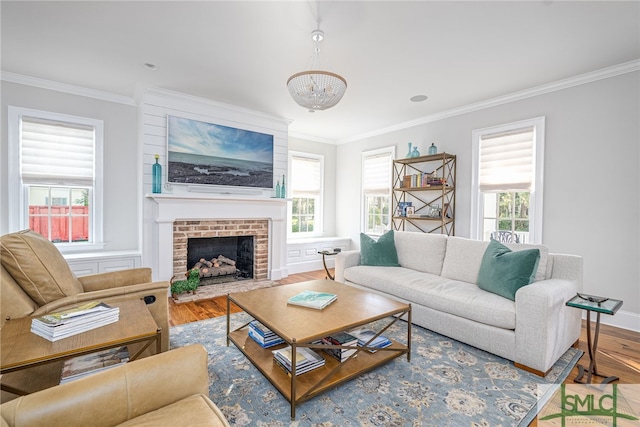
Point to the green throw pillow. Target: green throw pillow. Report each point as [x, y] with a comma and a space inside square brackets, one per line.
[381, 252]
[504, 271]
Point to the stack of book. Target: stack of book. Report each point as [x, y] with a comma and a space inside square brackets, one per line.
[344, 339]
[63, 324]
[263, 335]
[306, 359]
[81, 366]
[364, 336]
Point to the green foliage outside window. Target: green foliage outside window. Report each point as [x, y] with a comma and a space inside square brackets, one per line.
[303, 214]
[513, 211]
[378, 213]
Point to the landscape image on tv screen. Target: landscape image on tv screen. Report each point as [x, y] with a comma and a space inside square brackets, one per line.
[206, 153]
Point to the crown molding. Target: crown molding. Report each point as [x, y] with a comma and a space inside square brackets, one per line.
[66, 88]
[604, 73]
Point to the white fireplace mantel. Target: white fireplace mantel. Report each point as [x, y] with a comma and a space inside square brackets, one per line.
[168, 208]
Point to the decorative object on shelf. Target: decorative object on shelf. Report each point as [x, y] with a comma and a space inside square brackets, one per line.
[157, 176]
[415, 152]
[433, 149]
[315, 89]
[428, 184]
[283, 189]
[278, 189]
[409, 152]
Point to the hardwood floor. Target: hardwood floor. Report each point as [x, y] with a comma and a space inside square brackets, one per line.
[618, 349]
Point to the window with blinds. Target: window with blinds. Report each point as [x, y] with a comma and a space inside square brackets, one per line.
[376, 190]
[306, 172]
[57, 175]
[56, 152]
[507, 190]
[507, 160]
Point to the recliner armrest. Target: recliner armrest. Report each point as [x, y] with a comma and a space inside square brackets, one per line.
[114, 396]
[115, 279]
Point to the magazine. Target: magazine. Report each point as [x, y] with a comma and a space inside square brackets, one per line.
[88, 364]
[313, 299]
[62, 324]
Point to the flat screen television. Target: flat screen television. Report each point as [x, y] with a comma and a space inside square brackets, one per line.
[200, 153]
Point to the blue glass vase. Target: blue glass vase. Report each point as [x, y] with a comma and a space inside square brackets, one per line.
[415, 152]
[157, 176]
[433, 149]
[409, 153]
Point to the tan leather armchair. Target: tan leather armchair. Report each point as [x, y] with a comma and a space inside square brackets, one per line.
[169, 389]
[35, 279]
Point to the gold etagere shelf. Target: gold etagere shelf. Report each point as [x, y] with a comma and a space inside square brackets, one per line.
[428, 182]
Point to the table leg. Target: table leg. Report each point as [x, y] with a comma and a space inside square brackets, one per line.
[228, 318]
[592, 348]
[293, 380]
[324, 263]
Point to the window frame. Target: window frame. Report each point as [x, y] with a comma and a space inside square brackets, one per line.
[391, 151]
[319, 205]
[536, 193]
[18, 191]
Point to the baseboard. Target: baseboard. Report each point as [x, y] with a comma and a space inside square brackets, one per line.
[622, 319]
[306, 266]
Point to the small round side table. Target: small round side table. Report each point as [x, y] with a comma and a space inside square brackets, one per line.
[599, 305]
[324, 261]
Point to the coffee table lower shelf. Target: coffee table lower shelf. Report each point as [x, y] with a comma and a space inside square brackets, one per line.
[317, 381]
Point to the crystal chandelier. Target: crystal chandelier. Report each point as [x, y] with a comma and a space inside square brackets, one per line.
[315, 89]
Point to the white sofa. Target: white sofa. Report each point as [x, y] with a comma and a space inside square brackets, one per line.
[438, 274]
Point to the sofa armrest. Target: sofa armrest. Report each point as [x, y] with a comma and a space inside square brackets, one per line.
[114, 396]
[545, 326]
[345, 260]
[115, 279]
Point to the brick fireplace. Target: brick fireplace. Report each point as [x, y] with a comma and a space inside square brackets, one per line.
[186, 229]
[173, 218]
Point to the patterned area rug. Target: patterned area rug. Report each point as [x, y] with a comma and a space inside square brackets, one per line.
[447, 383]
[219, 289]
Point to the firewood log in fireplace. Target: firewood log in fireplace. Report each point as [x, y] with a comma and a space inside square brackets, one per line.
[221, 266]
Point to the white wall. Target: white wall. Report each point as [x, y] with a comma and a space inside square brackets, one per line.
[121, 161]
[591, 180]
[329, 184]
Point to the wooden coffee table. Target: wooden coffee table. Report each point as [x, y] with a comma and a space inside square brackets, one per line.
[301, 326]
[21, 349]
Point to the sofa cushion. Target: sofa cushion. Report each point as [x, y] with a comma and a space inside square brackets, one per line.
[38, 267]
[421, 251]
[504, 271]
[541, 272]
[464, 256]
[458, 298]
[381, 252]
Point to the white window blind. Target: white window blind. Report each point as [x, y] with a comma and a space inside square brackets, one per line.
[56, 153]
[306, 175]
[377, 173]
[507, 161]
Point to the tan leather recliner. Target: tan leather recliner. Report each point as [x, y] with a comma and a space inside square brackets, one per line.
[35, 279]
[169, 389]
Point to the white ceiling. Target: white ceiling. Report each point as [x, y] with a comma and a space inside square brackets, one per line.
[242, 53]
